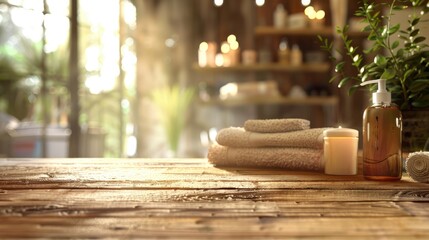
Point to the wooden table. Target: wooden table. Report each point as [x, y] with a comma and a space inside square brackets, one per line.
[191, 199]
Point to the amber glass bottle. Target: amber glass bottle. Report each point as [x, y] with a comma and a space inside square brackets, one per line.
[382, 137]
[382, 143]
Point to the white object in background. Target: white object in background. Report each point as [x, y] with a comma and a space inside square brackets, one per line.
[297, 92]
[249, 57]
[280, 16]
[202, 54]
[297, 21]
[26, 141]
[340, 151]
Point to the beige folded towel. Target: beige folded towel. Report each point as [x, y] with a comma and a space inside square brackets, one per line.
[238, 137]
[276, 125]
[417, 166]
[288, 158]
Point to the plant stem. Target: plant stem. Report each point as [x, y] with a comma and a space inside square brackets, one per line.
[392, 54]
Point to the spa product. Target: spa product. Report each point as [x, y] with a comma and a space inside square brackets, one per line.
[280, 17]
[284, 52]
[340, 151]
[295, 56]
[382, 127]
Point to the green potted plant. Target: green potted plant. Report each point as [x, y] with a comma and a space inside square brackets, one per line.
[401, 56]
[173, 102]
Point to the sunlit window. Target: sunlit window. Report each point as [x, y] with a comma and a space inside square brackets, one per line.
[35, 37]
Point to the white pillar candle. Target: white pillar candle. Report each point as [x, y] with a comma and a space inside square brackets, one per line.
[340, 151]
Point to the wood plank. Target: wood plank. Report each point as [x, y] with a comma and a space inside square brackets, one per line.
[271, 67]
[190, 199]
[87, 196]
[270, 100]
[163, 183]
[228, 208]
[230, 228]
[142, 174]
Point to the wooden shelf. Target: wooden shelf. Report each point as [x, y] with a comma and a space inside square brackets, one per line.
[266, 100]
[313, 68]
[323, 31]
[269, 30]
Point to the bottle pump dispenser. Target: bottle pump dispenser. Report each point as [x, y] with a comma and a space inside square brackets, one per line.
[382, 96]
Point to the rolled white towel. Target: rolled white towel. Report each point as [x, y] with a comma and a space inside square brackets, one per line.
[417, 166]
[238, 137]
[300, 159]
[276, 125]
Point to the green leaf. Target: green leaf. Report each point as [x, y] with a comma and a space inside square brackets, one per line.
[365, 77]
[419, 39]
[419, 85]
[415, 21]
[384, 32]
[400, 7]
[409, 72]
[372, 37]
[380, 60]
[343, 82]
[395, 88]
[400, 53]
[421, 103]
[414, 32]
[388, 74]
[333, 78]
[339, 67]
[395, 44]
[353, 89]
[394, 29]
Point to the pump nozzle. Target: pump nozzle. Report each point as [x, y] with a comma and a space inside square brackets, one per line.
[382, 95]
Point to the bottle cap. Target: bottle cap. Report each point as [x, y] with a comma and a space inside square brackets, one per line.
[382, 95]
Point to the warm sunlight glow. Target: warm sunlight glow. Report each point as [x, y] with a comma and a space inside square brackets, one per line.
[309, 10]
[204, 46]
[320, 14]
[260, 3]
[231, 39]
[305, 2]
[234, 46]
[92, 55]
[219, 60]
[218, 3]
[225, 47]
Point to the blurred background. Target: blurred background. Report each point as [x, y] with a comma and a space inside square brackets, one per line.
[159, 78]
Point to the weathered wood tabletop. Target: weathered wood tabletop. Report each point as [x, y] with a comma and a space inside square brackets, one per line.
[191, 199]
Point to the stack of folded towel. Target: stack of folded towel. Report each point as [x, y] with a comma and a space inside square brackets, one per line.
[276, 143]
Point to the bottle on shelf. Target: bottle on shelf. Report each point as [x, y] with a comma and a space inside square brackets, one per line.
[280, 17]
[283, 52]
[295, 56]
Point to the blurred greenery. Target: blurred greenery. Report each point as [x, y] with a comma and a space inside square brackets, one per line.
[173, 102]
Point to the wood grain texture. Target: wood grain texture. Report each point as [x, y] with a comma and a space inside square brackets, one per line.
[191, 199]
